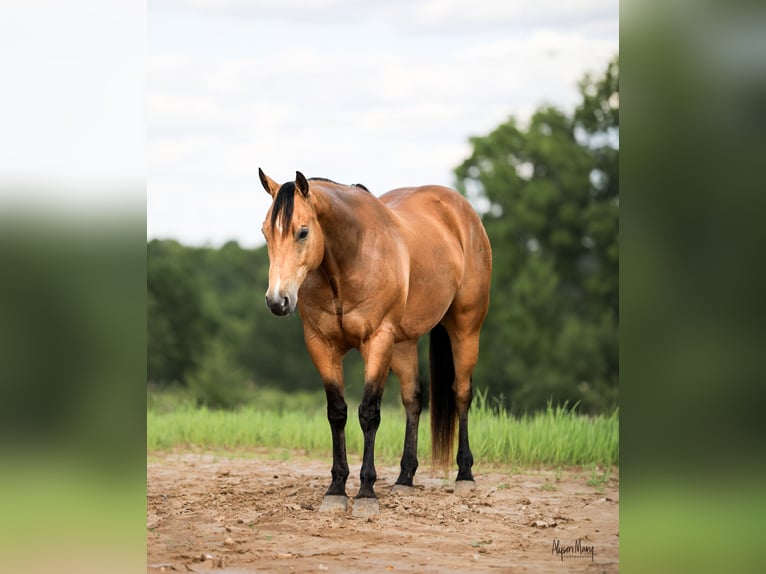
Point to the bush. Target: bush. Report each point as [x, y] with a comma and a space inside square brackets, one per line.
[219, 382]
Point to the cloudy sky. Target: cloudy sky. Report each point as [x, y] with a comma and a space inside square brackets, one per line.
[385, 93]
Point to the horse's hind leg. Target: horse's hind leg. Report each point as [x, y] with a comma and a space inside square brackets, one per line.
[405, 365]
[465, 350]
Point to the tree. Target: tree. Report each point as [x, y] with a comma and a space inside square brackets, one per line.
[180, 320]
[219, 382]
[206, 315]
[549, 196]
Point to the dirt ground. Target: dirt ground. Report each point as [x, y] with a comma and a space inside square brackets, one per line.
[241, 515]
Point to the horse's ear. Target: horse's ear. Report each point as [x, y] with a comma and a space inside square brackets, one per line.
[301, 184]
[268, 184]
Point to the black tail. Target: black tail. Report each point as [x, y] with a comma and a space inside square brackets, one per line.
[443, 410]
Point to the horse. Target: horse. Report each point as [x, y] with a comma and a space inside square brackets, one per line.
[376, 274]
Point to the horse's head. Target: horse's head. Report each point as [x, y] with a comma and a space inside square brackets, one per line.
[294, 240]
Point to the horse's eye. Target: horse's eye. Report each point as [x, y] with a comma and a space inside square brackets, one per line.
[303, 233]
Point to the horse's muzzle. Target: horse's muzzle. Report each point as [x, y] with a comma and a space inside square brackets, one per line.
[279, 305]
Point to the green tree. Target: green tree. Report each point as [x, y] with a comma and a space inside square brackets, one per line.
[180, 320]
[200, 297]
[549, 193]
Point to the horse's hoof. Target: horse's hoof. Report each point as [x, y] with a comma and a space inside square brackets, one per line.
[365, 507]
[402, 490]
[333, 503]
[464, 486]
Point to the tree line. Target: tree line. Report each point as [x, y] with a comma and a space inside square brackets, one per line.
[548, 194]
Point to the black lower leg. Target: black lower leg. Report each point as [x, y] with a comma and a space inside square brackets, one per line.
[464, 456]
[337, 415]
[409, 462]
[369, 420]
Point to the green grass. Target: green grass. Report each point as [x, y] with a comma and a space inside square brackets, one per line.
[556, 436]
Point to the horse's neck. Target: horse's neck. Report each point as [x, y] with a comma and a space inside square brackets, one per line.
[342, 216]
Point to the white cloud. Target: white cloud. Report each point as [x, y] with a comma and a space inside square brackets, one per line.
[205, 214]
[440, 13]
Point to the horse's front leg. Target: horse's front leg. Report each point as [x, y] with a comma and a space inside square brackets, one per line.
[328, 361]
[376, 352]
[336, 415]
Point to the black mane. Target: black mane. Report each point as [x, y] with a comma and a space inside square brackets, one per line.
[283, 206]
[284, 201]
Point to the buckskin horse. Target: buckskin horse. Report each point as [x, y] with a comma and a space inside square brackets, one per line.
[376, 274]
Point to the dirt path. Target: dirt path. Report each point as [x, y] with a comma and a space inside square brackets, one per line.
[243, 515]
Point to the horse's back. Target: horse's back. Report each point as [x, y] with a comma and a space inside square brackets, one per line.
[408, 201]
[450, 254]
[439, 208]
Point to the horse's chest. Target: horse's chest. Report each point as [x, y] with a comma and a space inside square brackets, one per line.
[345, 320]
[354, 328]
[336, 323]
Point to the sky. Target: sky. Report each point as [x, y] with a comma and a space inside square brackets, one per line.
[384, 93]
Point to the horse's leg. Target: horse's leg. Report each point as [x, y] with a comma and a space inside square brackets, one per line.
[465, 351]
[329, 364]
[377, 353]
[404, 363]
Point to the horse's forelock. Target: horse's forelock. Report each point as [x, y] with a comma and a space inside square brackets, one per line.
[283, 206]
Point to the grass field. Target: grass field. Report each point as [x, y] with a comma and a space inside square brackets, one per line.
[557, 436]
